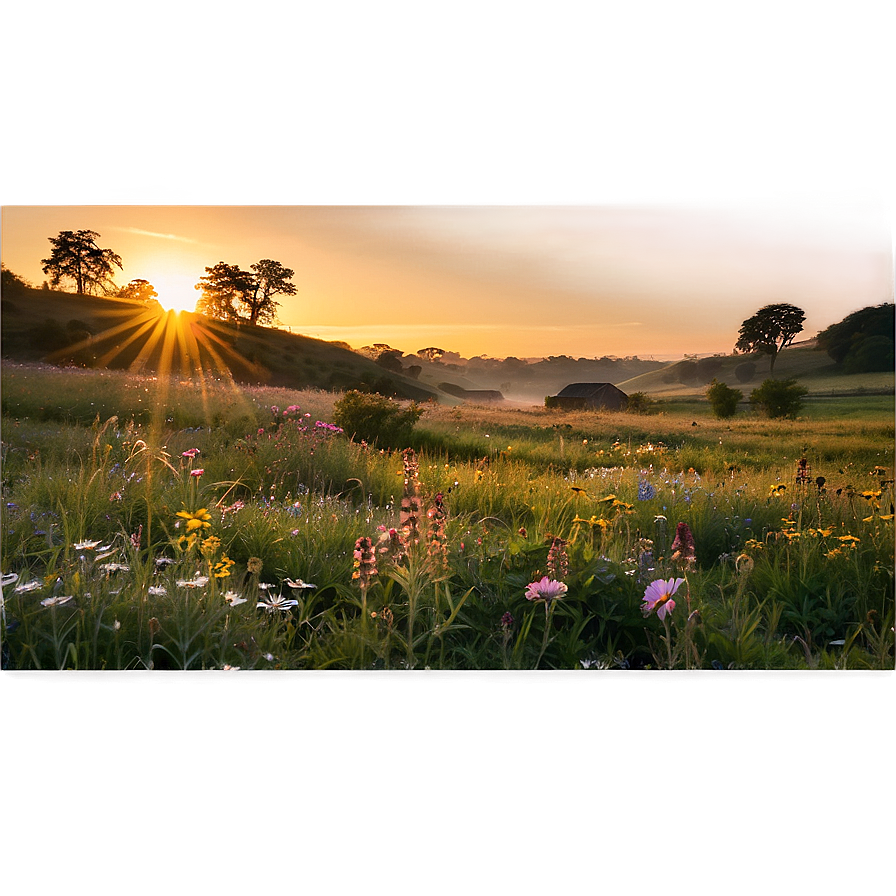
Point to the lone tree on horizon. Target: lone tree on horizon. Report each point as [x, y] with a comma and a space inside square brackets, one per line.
[77, 257]
[229, 293]
[769, 330]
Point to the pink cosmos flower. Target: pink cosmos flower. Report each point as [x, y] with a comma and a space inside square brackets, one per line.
[197, 472]
[658, 596]
[191, 453]
[545, 589]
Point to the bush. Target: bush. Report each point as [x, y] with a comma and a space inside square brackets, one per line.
[376, 419]
[723, 399]
[779, 398]
[640, 403]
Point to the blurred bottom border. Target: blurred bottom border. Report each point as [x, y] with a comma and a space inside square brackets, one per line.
[448, 782]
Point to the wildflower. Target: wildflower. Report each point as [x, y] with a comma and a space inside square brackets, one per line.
[849, 541]
[365, 562]
[210, 546]
[477, 477]
[191, 453]
[57, 601]
[197, 472]
[9, 578]
[154, 626]
[116, 625]
[201, 519]
[163, 561]
[253, 564]
[558, 559]
[85, 545]
[546, 589]
[228, 668]
[223, 567]
[234, 599]
[115, 567]
[578, 490]
[658, 597]
[645, 490]
[195, 582]
[137, 537]
[744, 564]
[186, 542]
[506, 621]
[25, 587]
[276, 602]
[156, 590]
[683, 549]
[300, 585]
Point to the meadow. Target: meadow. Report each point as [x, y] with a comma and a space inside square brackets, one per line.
[152, 523]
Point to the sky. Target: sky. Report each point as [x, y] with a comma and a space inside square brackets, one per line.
[631, 181]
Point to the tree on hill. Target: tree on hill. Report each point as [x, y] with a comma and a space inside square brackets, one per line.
[12, 284]
[140, 290]
[78, 258]
[229, 293]
[862, 341]
[770, 329]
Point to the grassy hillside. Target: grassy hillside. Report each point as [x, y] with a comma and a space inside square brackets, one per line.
[812, 367]
[89, 331]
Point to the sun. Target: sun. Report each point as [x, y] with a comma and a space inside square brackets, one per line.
[176, 291]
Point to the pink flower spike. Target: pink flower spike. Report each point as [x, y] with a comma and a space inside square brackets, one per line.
[658, 596]
[545, 589]
[197, 472]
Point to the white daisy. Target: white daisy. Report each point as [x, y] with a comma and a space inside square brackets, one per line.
[276, 602]
[156, 590]
[25, 587]
[57, 601]
[234, 599]
[298, 583]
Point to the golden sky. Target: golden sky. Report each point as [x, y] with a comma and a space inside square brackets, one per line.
[669, 168]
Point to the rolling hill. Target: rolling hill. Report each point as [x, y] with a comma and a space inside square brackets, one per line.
[90, 331]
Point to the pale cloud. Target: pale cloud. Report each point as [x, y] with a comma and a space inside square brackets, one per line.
[161, 236]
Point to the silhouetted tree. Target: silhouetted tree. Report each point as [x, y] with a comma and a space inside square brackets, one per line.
[770, 329]
[271, 279]
[140, 290]
[230, 293]
[77, 257]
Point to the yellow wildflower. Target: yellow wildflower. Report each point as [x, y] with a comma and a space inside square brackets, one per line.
[201, 519]
[222, 568]
[210, 546]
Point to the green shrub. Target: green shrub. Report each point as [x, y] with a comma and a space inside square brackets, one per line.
[640, 403]
[376, 419]
[723, 399]
[779, 398]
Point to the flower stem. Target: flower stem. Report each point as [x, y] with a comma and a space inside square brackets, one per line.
[548, 615]
[668, 638]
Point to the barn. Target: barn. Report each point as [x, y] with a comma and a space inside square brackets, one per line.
[589, 396]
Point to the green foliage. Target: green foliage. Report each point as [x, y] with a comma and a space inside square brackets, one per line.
[640, 403]
[779, 398]
[375, 419]
[12, 284]
[723, 399]
[140, 290]
[863, 340]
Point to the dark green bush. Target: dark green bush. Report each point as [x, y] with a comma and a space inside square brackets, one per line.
[779, 398]
[640, 403]
[723, 399]
[376, 419]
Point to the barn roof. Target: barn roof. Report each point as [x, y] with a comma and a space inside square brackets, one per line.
[588, 390]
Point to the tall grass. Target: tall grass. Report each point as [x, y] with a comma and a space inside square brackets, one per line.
[789, 573]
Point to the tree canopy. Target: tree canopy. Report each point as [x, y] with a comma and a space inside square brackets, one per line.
[139, 290]
[230, 293]
[863, 340]
[770, 329]
[78, 258]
